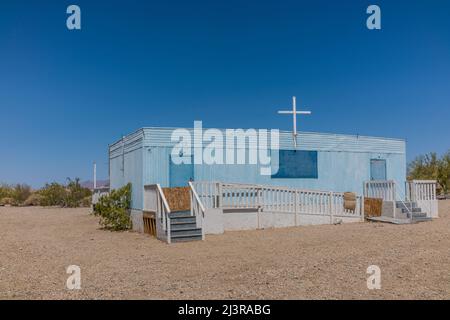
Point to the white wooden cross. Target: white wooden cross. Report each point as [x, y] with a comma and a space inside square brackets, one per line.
[294, 113]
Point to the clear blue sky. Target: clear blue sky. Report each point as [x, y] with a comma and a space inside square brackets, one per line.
[64, 95]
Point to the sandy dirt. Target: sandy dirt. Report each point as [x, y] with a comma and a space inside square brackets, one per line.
[314, 262]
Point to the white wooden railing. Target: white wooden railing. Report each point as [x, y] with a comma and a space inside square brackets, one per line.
[380, 189]
[155, 201]
[418, 190]
[197, 208]
[387, 191]
[274, 199]
[97, 193]
[423, 192]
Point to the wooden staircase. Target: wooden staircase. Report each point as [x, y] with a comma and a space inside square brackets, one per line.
[177, 213]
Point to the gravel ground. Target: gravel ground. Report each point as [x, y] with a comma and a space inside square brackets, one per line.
[314, 262]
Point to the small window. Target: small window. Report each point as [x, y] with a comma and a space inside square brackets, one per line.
[297, 164]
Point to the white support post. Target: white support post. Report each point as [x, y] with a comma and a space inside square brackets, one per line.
[168, 229]
[330, 207]
[95, 175]
[361, 209]
[394, 199]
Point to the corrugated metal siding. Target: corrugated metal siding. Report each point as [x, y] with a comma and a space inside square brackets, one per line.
[126, 165]
[306, 141]
[156, 165]
[343, 162]
[337, 171]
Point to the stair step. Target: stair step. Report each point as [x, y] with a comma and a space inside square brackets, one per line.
[422, 219]
[183, 226]
[419, 215]
[186, 239]
[181, 220]
[180, 214]
[186, 233]
[400, 204]
[405, 210]
[414, 209]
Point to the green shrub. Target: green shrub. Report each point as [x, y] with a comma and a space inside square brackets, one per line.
[75, 194]
[430, 166]
[20, 193]
[86, 201]
[5, 191]
[53, 194]
[114, 209]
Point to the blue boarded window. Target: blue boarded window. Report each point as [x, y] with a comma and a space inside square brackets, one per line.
[297, 164]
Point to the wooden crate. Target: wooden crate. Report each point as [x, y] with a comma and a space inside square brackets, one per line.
[149, 223]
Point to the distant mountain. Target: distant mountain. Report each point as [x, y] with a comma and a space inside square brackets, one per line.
[90, 184]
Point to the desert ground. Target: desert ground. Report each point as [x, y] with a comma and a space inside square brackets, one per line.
[311, 262]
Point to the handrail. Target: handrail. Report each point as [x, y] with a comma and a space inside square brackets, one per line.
[197, 198]
[163, 197]
[404, 204]
[197, 205]
[159, 205]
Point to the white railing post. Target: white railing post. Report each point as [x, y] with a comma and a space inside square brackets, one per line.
[362, 208]
[330, 207]
[394, 200]
[169, 236]
[198, 210]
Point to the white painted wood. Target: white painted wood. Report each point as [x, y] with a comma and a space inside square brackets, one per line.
[294, 113]
[281, 199]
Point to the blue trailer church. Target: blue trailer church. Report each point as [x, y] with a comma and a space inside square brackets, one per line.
[320, 161]
[305, 178]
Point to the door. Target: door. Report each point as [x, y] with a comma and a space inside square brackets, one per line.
[378, 169]
[180, 174]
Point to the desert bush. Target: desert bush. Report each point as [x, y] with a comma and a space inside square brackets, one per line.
[72, 195]
[114, 209]
[5, 191]
[20, 193]
[34, 199]
[75, 194]
[8, 201]
[53, 194]
[86, 201]
[430, 166]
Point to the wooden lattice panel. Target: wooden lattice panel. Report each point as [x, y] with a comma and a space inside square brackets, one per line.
[149, 223]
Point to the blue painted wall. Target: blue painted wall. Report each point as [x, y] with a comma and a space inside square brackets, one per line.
[343, 162]
[126, 165]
